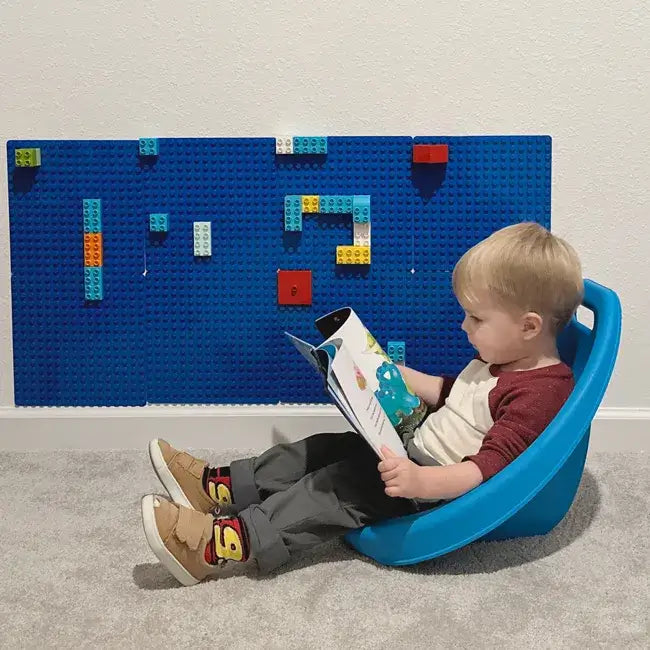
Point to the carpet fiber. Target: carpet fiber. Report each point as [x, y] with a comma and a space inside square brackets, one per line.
[77, 572]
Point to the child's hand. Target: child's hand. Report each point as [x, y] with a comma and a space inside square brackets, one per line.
[401, 475]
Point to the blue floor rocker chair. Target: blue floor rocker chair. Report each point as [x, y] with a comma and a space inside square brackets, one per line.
[533, 493]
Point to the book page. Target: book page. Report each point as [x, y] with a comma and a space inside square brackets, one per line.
[376, 427]
[404, 408]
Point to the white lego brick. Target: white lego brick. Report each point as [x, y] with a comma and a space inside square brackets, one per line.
[284, 144]
[202, 238]
[361, 234]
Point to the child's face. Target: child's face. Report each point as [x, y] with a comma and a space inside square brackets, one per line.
[498, 336]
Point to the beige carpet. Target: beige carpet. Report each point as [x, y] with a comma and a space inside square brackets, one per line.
[77, 573]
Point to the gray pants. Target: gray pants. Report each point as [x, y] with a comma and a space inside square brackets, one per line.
[297, 495]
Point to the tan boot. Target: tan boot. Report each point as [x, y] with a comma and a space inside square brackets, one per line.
[182, 476]
[180, 537]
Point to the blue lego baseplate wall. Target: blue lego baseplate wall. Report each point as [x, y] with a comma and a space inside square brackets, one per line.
[175, 328]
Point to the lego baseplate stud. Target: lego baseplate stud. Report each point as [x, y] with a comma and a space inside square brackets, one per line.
[294, 287]
[28, 157]
[353, 254]
[430, 153]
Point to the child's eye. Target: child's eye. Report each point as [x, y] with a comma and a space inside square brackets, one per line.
[478, 320]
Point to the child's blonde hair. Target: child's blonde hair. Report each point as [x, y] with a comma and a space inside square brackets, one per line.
[523, 267]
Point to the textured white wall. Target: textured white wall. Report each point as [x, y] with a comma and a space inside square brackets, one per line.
[578, 71]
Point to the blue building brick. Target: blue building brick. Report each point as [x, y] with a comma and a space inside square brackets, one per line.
[93, 283]
[309, 144]
[293, 212]
[335, 204]
[361, 209]
[148, 146]
[92, 211]
[158, 222]
[396, 350]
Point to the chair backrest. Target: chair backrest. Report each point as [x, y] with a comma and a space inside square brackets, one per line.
[591, 353]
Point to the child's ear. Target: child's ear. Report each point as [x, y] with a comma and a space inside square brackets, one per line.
[532, 323]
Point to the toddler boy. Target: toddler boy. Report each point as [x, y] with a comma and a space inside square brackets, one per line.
[519, 288]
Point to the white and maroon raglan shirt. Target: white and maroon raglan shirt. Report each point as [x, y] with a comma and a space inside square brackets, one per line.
[490, 416]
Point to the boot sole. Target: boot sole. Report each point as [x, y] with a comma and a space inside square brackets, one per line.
[158, 547]
[166, 477]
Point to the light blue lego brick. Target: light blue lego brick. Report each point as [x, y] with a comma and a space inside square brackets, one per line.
[293, 223]
[158, 222]
[335, 204]
[309, 144]
[361, 208]
[148, 146]
[293, 205]
[92, 210]
[93, 282]
[396, 350]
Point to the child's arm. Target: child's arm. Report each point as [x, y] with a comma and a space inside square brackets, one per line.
[449, 481]
[428, 388]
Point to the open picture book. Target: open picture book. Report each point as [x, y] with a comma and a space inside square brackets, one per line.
[362, 380]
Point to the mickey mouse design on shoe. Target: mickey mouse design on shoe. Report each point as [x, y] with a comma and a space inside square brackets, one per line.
[189, 543]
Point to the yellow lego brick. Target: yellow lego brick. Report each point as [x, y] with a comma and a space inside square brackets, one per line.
[310, 202]
[353, 254]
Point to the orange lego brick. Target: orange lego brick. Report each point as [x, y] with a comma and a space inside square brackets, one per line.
[93, 249]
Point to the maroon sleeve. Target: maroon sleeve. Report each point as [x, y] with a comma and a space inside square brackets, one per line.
[521, 411]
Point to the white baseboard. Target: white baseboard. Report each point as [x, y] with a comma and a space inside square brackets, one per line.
[233, 427]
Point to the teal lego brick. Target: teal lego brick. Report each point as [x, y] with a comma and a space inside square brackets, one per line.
[396, 350]
[93, 283]
[335, 204]
[361, 209]
[309, 144]
[293, 224]
[92, 211]
[148, 146]
[158, 222]
[293, 212]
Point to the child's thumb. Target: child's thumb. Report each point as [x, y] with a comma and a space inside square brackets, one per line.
[388, 453]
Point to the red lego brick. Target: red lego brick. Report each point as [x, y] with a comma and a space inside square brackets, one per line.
[294, 287]
[430, 153]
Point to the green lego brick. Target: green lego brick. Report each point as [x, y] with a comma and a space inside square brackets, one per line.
[28, 157]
